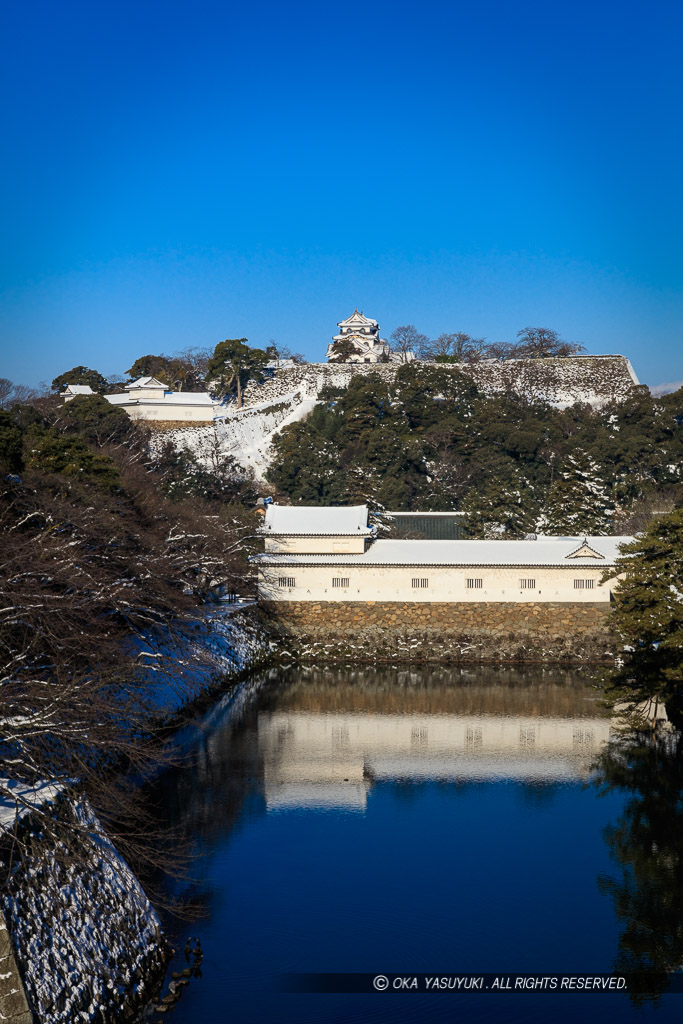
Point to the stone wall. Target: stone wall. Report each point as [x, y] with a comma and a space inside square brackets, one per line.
[13, 1003]
[561, 382]
[87, 942]
[486, 631]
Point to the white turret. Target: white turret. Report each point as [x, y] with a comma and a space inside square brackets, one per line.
[363, 333]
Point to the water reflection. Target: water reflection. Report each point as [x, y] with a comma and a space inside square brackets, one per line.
[329, 739]
[646, 843]
[358, 820]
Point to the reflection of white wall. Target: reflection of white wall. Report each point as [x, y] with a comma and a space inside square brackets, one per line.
[327, 759]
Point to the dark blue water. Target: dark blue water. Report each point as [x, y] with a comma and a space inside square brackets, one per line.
[384, 821]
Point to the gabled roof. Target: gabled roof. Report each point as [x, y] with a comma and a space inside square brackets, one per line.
[584, 550]
[146, 382]
[307, 520]
[78, 389]
[357, 320]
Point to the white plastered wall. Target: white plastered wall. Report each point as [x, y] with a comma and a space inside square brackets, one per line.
[445, 583]
[349, 545]
[170, 413]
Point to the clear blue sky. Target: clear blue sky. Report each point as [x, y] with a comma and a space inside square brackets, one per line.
[177, 173]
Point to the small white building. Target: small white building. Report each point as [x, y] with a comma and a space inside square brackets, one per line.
[330, 554]
[150, 399]
[296, 529]
[363, 333]
[71, 391]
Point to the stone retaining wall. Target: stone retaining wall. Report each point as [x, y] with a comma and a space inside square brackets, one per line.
[486, 631]
[13, 1004]
[86, 941]
[559, 381]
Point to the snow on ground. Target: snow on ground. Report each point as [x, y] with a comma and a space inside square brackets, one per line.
[87, 940]
[246, 434]
[179, 669]
[293, 391]
[19, 798]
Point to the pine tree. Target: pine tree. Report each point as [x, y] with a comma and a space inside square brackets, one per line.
[231, 367]
[81, 375]
[579, 501]
[504, 506]
[648, 618]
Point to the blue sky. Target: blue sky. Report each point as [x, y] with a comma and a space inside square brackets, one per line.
[179, 173]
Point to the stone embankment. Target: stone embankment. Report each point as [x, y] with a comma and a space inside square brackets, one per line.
[441, 632]
[79, 940]
[87, 941]
[292, 391]
[561, 382]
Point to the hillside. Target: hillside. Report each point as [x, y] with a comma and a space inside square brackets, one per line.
[426, 437]
[595, 380]
[291, 393]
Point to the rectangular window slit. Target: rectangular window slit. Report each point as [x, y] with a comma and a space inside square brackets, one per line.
[474, 584]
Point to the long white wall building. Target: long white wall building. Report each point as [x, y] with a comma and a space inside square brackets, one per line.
[330, 554]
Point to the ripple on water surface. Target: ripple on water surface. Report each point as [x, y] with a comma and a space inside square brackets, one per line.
[400, 820]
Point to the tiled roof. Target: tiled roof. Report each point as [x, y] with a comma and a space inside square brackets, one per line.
[170, 398]
[306, 520]
[550, 551]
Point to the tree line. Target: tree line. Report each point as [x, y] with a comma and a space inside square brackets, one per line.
[429, 440]
[109, 555]
[407, 344]
[226, 370]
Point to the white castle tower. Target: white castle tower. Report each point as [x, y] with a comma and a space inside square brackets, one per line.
[363, 333]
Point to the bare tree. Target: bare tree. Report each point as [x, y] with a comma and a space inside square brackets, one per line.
[407, 342]
[284, 352]
[454, 348]
[499, 350]
[541, 343]
[15, 394]
[197, 360]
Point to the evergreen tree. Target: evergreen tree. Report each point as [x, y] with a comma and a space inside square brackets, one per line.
[81, 375]
[648, 618]
[503, 506]
[579, 501]
[50, 452]
[232, 365]
[11, 441]
[342, 351]
[98, 422]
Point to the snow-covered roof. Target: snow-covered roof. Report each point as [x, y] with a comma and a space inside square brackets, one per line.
[169, 398]
[78, 389]
[549, 551]
[145, 382]
[357, 320]
[307, 520]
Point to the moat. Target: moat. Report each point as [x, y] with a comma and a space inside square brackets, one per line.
[438, 820]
